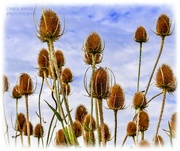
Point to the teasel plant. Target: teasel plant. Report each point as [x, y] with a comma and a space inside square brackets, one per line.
[115, 102]
[166, 81]
[38, 132]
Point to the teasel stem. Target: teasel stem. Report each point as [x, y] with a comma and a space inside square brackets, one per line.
[21, 136]
[134, 140]
[97, 123]
[139, 69]
[142, 135]
[27, 120]
[137, 126]
[161, 113]
[16, 121]
[115, 127]
[154, 97]
[157, 60]
[101, 121]
[125, 138]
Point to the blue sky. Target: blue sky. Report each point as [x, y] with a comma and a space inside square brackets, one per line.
[116, 24]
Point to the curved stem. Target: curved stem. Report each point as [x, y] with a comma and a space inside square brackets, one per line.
[139, 69]
[27, 120]
[154, 97]
[115, 127]
[157, 60]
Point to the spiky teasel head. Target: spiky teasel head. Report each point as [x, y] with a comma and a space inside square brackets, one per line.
[20, 122]
[143, 121]
[5, 83]
[86, 123]
[158, 141]
[93, 44]
[116, 99]
[49, 26]
[80, 113]
[67, 75]
[43, 62]
[60, 138]
[60, 59]
[107, 134]
[100, 84]
[131, 129]
[140, 35]
[88, 58]
[16, 94]
[25, 84]
[25, 128]
[139, 101]
[38, 131]
[165, 78]
[163, 26]
[173, 124]
[77, 128]
[144, 144]
[86, 138]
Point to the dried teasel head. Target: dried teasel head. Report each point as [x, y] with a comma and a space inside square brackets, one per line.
[93, 44]
[25, 84]
[144, 144]
[86, 123]
[25, 128]
[107, 134]
[173, 124]
[140, 35]
[88, 58]
[20, 122]
[67, 75]
[77, 128]
[38, 131]
[116, 98]
[86, 138]
[165, 78]
[163, 26]
[100, 84]
[43, 62]
[66, 89]
[60, 138]
[60, 59]
[80, 113]
[131, 129]
[139, 101]
[16, 94]
[49, 26]
[143, 121]
[158, 141]
[5, 83]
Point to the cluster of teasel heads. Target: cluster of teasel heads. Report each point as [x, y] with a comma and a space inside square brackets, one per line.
[92, 128]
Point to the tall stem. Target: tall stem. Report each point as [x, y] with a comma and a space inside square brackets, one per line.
[115, 127]
[97, 123]
[137, 126]
[157, 60]
[16, 121]
[27, 120]
[139, 69]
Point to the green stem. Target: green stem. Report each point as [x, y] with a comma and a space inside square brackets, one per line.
[137, 126]
[142, 135]
[27, 120]
[97, 123]
[16, 121]
[157, 60]
[139, 69]
[115, 127]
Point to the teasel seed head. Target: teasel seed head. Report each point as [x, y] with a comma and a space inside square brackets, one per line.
[144, 144]
[173, 124]
[60, 59]
[66, 89]
[165, 78]
[163, 26]
[159, 141]
[38, 131]
[77, 128]
[20, 122]
[116, 99]
[25, 84]
[93, 44]
[107, 134]
[67, 75]
[131, 129]
[60, 138]
[140, 35]
[100, 84]
[86, 138]
[16, 94]
[88, 58]
[143, 121]
[49, 27]
[5, 83]
[80, 113]
[86, 123]
[139, 101]
[25, 128]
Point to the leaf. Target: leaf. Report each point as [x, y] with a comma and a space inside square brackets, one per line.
[55, 112]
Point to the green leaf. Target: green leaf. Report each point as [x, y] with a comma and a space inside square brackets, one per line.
[170, 131]
[55, 112]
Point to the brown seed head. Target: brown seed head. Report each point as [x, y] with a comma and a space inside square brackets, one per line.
[88, 58]
[60, 138]
[25, 128]
[116, 99]
[38, 131]
[86, 123]
[93, 44]
[165, 78]
[139, 101]
[86, 138]
[25, 84]
[143, 121]
[144, 143]
[5, 83]
[141, 35]
[107, 134]
[67, 75]
[60, 58]
[20, 122]
[16, 92]
[81, 112]
[173, 124]
[77, 128]
[66, 89]
[163, 25]
[131, 129]
[49, 27]
[159, 141]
